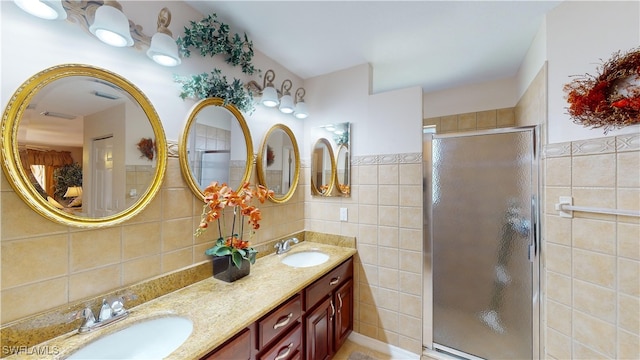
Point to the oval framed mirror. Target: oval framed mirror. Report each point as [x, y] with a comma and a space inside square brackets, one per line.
[215, 146]
[342, 170]
[278, 163]
[83, 146]
[338, 138]
[323, 170]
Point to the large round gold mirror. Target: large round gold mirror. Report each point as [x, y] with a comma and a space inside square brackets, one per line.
[323, 170]
[278, 163]
[215, 146]
[83, 146]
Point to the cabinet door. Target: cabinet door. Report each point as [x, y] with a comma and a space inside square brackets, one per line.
[343, 300]
[237, 348]
[319, 331]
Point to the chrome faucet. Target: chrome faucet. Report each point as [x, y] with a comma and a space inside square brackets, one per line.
[111, 311]
[284, 245]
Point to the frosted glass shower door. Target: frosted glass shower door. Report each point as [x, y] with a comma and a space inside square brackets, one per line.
[483, 242]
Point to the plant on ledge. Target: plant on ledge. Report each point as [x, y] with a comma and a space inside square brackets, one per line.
[217, 198]
[205, 85]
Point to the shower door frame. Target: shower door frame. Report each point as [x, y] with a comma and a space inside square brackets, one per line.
[428, 135]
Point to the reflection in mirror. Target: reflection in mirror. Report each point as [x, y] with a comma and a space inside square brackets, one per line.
[323, 170]
[337, 137]
[278, 163]
[84, 147]
[342, 170]
[215, 146]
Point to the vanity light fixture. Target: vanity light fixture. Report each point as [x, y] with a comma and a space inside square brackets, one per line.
[271, 97]
[164, 49]
[286, 101]
[301, 111]
[269, 92]
[111, 25]
[44, 9]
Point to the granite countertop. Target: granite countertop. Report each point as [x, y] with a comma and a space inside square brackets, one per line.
[218, 309]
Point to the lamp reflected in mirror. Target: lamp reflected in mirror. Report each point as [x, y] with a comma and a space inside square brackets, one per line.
[74, 193]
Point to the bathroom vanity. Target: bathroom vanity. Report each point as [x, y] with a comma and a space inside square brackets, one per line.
[312, 324]
[277, 312]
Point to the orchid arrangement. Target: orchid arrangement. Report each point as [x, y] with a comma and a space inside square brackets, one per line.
[219, 196]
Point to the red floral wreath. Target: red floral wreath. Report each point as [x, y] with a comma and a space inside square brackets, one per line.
[610, 100]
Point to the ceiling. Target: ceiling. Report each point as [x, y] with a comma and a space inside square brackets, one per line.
[432, 44]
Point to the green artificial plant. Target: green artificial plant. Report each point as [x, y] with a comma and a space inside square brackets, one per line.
[212, 37]
[215, 84]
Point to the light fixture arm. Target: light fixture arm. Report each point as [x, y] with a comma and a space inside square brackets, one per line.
[300, 93]
[269, 76]
[286, 87]
[164, 19]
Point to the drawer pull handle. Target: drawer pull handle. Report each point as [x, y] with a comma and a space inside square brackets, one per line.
[334, 281]
[340, 299]
[284, 354]
[283, 322]
[333, 309]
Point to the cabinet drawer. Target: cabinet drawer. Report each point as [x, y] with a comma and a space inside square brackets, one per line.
[288, 348]
[279, 320]
[326, 284]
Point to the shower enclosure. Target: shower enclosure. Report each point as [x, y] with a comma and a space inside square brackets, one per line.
[481, 258]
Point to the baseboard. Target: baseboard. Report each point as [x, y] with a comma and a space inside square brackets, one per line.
[379, 346]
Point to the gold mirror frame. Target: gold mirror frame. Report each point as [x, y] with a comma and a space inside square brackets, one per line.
[315, 190]
[262, 178]
[187, 174]
[343, 188]
[19, 179]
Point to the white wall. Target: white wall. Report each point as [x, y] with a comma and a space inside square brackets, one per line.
[383, 123]
[491, 95]
[580, 36]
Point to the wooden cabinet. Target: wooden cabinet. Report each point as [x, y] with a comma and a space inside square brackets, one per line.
[329, 320]
[344, 313]
[310, 325]
[319, 331]
[237, 348]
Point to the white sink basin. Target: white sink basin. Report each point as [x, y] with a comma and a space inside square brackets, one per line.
[305, 258]
[150, 339]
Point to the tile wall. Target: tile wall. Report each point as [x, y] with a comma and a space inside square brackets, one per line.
[385, 215]
[489, 119]
[592, 261]
[45, 265]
